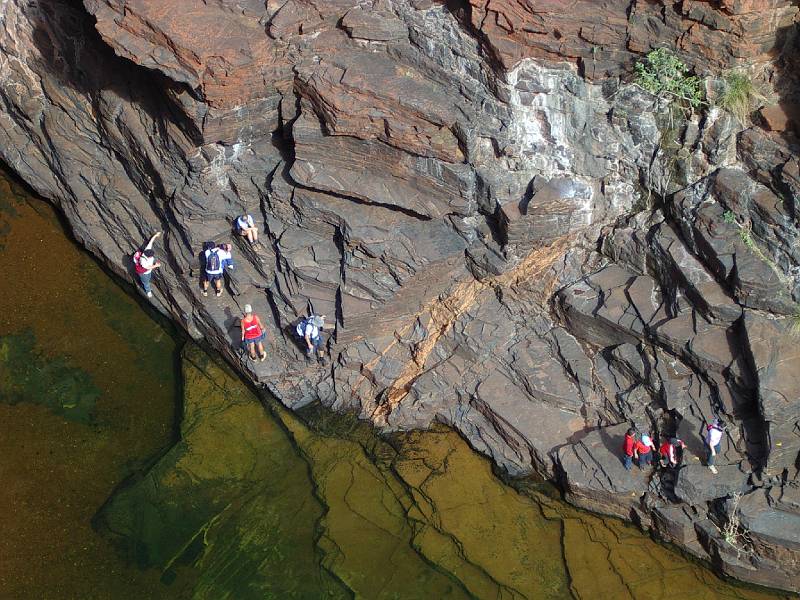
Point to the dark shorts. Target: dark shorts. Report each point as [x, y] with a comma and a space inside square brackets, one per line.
[260, 338]
[212, 278]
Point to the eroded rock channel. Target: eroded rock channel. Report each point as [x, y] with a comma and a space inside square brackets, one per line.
[512, 239]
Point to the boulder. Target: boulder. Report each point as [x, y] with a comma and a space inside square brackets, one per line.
[696, 484]
[781, 117]
[594, 477]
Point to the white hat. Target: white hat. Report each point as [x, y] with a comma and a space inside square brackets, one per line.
[248, 309]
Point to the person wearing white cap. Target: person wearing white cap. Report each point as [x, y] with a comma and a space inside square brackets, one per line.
[253, 334]
[713, 439]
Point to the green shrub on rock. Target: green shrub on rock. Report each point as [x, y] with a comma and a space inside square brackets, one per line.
[665, 75]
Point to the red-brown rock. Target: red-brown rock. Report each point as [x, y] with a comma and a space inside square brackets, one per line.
[781, 117]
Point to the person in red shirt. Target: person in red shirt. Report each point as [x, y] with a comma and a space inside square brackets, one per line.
[645, 449]
[671, 452]
[629, 448]
[253, 334]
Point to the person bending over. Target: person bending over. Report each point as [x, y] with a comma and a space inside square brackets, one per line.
[217, 259]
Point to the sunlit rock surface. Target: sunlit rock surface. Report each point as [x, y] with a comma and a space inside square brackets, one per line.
[504, 238]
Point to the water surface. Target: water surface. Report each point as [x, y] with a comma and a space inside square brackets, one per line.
[87, 395]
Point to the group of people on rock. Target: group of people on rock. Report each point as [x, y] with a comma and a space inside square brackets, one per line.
[217, 260]
[640, 447]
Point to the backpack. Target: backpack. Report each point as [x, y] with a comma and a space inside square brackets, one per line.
[314, 321]
[301, 328]
[213, 263]
[137, 256]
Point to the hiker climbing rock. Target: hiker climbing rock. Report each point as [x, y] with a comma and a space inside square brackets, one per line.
[247, 228]
[217, 260]
[309, 329]
[629, 448]
[144, 261]
[713, 441]
[671, 452]
[253, 334]
[646, 450]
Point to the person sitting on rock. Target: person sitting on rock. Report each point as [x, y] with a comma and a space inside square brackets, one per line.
[217, 260]
[253, 334]
[671, 452]
[629, 448]
[309, 329]
[713, 441]
[144, 261]
[247, 228]
[645, 449]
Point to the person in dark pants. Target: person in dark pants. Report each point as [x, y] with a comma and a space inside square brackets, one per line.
[629, 448]
[671, 452]
[144, 261]
[309, 329]
[218, 259]
[645, 449]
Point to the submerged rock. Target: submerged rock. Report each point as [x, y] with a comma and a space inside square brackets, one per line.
[231, 497]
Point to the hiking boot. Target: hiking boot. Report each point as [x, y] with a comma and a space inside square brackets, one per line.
[149, 294]
[322, 361]
[713, 469]
[264, 357]
[205, 293]
[218, 293]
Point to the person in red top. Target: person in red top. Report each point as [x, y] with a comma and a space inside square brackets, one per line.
[629, 448]
[645, 449]
[669, 452]
[253, 333]
[144, 261]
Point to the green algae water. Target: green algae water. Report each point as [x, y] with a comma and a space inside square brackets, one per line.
[108, 493]
[87, 394]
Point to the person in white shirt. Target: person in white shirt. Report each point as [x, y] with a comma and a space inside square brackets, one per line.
[144, 261]
[713, 440]
[218, 259]
[309, 330]
[247, 228]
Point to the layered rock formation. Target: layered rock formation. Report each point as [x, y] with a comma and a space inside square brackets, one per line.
[505, 239]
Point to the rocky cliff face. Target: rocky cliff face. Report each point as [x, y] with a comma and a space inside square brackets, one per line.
[507, 237]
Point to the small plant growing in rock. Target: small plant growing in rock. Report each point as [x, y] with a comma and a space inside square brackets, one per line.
[739, 96]
[733, 532]
[745, 234]
[794, 325]
[665, 75]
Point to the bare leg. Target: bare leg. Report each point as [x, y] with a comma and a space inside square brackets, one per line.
[251, 350]
[261, 351]
[250, 236]
[218, 286]
[254, 232]
[204, 285]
